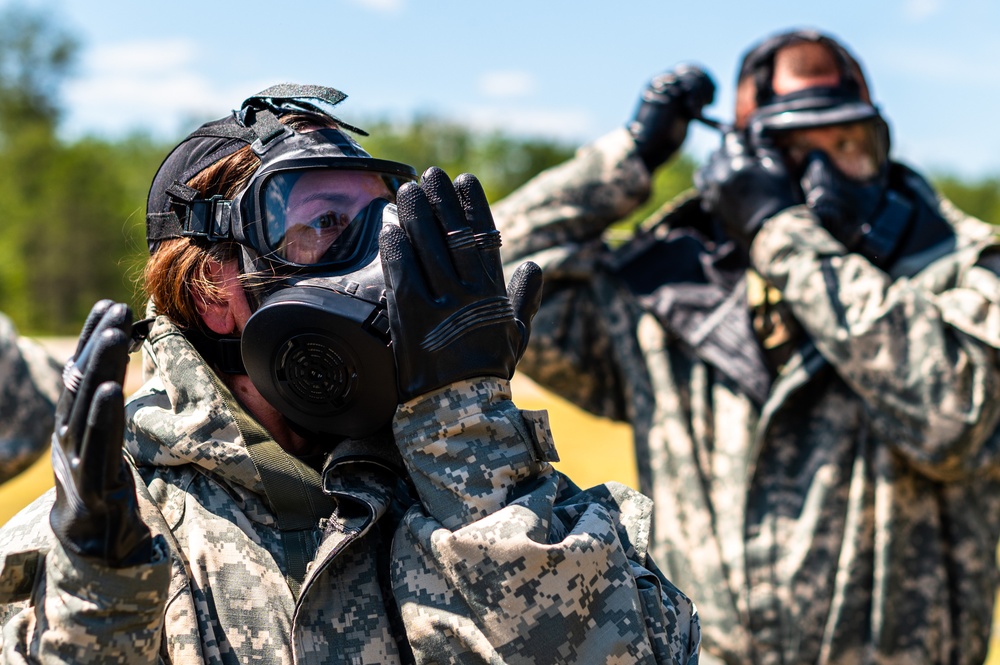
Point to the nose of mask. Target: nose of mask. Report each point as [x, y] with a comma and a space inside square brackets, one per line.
[319, 352]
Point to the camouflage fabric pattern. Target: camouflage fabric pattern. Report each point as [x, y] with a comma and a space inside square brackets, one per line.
[385, 575]
[852, 518]
[567, 601]
[31, 383]
[32, 565]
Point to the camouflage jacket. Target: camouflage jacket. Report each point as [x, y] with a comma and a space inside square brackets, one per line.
[477, 552]
[28, 393]
[851, 517]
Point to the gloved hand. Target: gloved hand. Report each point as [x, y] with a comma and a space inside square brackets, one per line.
[95, 512]
[744, 187]
[450, 315]
[864, 216]
[842, 205]
[669, 102]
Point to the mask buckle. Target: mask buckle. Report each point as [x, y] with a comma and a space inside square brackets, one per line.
[208, 219]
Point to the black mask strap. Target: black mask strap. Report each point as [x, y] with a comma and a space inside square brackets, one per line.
[223, 353]
[290, 97]
[140, 331]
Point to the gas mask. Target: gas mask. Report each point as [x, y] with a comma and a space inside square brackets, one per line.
[317, 345]
[835, 144]
[872, 205]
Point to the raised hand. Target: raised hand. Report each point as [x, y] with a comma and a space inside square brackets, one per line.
[450, 313]
[669, 102]
[95, 513]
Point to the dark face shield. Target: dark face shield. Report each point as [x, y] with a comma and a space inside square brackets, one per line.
[854, 148]
[811, 107]
[317, 346]
[308, 208]
[851, 132]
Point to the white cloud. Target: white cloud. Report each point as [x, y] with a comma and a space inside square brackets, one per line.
[142, 56]
[155, 86]
[563, 124]
[382, 6]
[920, 10]
[507, 84]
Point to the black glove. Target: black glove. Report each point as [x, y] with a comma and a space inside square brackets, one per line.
[667, 105]
[865, 216]
[95, 512]
[744, 187]
[450, 314]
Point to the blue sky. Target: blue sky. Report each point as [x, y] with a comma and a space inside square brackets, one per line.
[567, 69]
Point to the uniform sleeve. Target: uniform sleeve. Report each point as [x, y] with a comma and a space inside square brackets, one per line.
[87, 613]
[504, 560]
[28, 392]
[557, 220]
[573, 203]
[921, 352]
[57, 607]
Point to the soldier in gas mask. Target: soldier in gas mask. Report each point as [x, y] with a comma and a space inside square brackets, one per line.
[325, 465]
[806, 346]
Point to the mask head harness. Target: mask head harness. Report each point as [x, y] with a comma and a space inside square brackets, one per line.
[765, 112]
[317, 345]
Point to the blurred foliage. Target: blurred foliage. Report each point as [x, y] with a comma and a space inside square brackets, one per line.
[36, 56]
[70, 230]
[78, 229]
[74, 211]
[980, 198]
[501, 162]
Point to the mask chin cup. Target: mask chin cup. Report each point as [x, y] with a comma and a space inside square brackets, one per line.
[322, 358]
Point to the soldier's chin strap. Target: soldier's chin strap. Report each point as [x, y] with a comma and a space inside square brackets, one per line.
[222, 353]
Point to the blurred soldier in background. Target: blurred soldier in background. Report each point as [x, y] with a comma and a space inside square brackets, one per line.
[29, 387]
[806, 347]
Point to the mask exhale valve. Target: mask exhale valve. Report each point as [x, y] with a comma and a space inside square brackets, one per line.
[322, 357]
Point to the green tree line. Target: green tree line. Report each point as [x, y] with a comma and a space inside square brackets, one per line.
[72, 211]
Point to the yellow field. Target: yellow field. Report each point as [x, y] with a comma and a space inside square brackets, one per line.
[592, 450]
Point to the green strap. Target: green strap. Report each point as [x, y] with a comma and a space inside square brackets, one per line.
[293, 488]
[295, 493]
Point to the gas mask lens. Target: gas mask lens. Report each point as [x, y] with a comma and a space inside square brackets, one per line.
[853, 148]
[323, 216]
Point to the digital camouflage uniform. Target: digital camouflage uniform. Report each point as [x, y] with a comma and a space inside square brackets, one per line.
[854, 515]
[488, 555]
[30, 385]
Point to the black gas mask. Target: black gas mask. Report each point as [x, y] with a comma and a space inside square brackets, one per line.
[875, 207]
[834, 143]
[317, 345]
